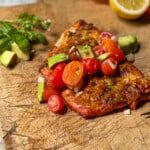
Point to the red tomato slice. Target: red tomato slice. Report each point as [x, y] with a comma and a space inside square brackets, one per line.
[118, 55]
[48, 91]
[98, 50]
[109, 66]
[55, 79]
[91, 65]
[109, 45]
[55, 103]
[60, 66]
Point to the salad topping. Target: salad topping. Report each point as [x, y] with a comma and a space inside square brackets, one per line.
[70, 70]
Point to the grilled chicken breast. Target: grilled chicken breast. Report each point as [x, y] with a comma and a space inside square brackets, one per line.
[101, 94]
[79, 33]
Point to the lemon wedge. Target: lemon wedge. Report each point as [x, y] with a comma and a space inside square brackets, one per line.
[129, 9]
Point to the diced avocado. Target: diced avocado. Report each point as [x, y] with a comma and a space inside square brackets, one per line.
[8, 58]
[104, 56]
[19, 52]
[128, 43]
[40, 88]
[53, 60]
[85, 51]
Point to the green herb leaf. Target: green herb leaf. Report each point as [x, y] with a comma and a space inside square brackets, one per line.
[6, 26]
[21, 41]
[24, 33]
[35, 37]
[28, 22]
[5, 44]
[41, 38]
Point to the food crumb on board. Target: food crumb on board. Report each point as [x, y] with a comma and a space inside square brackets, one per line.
[127, 112]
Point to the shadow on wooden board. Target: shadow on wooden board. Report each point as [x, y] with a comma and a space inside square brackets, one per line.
[101, 1]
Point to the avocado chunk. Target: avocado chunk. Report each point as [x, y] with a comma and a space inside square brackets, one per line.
[53, 60]
[128, 43]
[40, 88]
[8, 58]
[20, 54]
[104, 56]
[85, 51]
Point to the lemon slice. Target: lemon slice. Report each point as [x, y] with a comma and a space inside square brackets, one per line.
[129, 9]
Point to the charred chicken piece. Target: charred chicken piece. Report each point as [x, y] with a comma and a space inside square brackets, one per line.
[101, 95]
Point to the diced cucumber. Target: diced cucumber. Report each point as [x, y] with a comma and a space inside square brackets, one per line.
[40, 88]
[85, 51]
[128, 43]
[104, 56]
[8, 58]
[53, 60]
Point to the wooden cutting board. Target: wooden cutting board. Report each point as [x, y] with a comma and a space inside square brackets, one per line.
[28, 125]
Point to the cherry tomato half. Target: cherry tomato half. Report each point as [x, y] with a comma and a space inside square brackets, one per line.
[98, 50]
[91, 65]
[60, 66]
[55, 79]
[109, 66]
[109, 45]
[48, 91]
[73, 74]
[55, 103]
[118, 55]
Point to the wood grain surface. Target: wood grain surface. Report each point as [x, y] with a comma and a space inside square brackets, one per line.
[27, 125]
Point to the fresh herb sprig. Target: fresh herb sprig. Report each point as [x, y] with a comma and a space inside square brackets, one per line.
[29, 22]
[24, 31]
[17, 36]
